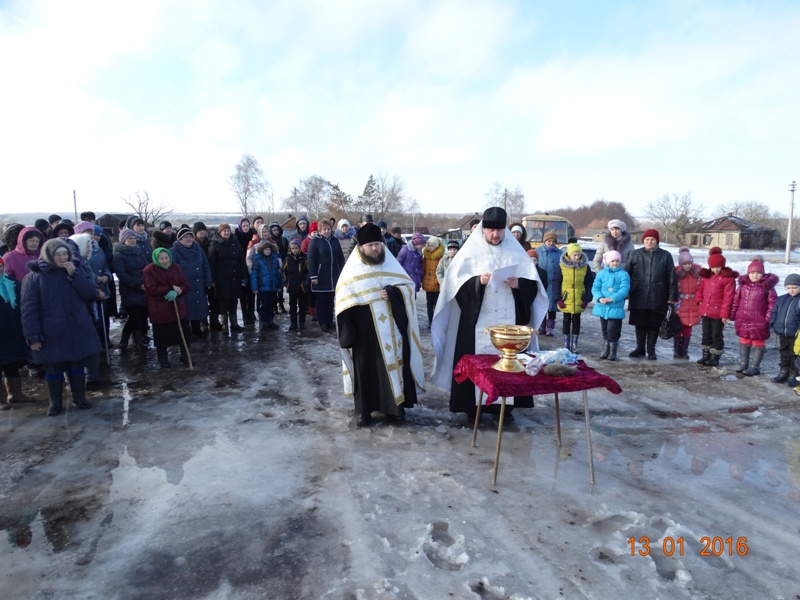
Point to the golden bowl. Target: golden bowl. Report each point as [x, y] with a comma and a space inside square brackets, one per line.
[510, 339]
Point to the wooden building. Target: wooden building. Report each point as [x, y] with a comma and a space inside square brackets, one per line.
[731, 233]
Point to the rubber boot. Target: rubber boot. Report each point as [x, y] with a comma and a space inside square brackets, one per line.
[651, 337]
[706, 356]
[713, 360]
[685, 349]
[224, 324]
[55, 387]
[607, 351]
[4, 404]
[567, 343]
[77, 386]
[744, 358]
[613, 355]
[791, 380]
[574, 344]
[15, 393]
[677, 346]
[782, 376]
[551, 325]
[755, 361]
[641, 337]
[163, 358]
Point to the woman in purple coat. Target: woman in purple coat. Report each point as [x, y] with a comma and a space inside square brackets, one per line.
[55, 322]
[410, 257]
[752, 309]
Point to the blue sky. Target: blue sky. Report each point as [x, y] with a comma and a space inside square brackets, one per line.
[569, 101]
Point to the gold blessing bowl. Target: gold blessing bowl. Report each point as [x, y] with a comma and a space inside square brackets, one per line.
[509, 340]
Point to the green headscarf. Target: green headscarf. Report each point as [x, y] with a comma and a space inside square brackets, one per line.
[7, 290]
[158, 251]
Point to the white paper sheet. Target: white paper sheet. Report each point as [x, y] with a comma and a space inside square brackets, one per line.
[500, 275]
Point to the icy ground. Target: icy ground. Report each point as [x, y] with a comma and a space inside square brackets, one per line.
[248, 479]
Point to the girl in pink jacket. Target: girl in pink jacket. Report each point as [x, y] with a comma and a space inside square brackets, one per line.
[752, 309]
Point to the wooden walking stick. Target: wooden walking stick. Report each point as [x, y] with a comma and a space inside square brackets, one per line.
[183, 337]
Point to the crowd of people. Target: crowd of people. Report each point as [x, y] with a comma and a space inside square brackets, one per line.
[58, 292]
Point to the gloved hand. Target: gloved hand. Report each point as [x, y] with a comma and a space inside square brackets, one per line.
[171, 295]
[584, 304]
[561, 304]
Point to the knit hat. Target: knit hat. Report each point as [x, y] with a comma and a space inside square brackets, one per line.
[84, 226]
[133, 220]
[434, 240]
[653, 234]
[684, 255]
[163, 225]
[473, 222]
[98, 230]
[62, 226]
[617, 223]
[369, 233]
[756, 265]
[550, 235]
[294, 242]
[611, 255]
[715, 258]
[50, 246]
[222, 227]
[264, 229]
[199, 226]
[53, 219]
[41, 224]
[125, 234]
[184, 231]
[382, 224]
[397, 230]
[418, 239]
[84, 243]
[571, 248]
[533, 254]
[792, 279]
[453, 244]
[495, 218]
[313, 227]
[518, 228]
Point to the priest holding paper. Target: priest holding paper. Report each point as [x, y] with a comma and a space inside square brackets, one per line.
[491, 281]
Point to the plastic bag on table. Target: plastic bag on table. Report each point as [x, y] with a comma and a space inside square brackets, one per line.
[562, 356]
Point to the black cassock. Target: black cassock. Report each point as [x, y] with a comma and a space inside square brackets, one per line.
[470, 300]
[372, 390]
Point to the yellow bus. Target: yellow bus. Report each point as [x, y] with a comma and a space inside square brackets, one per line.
[537, 225]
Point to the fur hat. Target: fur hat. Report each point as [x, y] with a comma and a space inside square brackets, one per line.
[550, 235]
[61, 226]
[184, 231]
[611, 255]
[453, 244]
[684, 255]
[222, 227]
[617, 223]
[434, 240]
[572, 248]
[125, 234]
[88, 215]
[792, 279]
[756, 265]
[418, 239]
[715, 258]
[495, 218]
[260, 246]
[50, 246]
[653, 234]
[84, 227]
[369, 233]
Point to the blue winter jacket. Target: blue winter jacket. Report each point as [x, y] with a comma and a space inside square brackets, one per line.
[549, 260]
[785, 319]
[195, 266]
[614, 284]
[266, 275]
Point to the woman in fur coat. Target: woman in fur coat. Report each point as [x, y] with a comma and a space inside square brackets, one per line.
[617, 239]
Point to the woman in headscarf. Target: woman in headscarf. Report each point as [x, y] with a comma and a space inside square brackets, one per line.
[189, 255]
[29, 243]
[56, 324]
[165, 283]
[617, 239]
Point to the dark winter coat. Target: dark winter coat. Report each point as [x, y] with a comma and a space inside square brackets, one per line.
[573, 284]
[652, 279]
[752, 306]
[54, 313]
[550, 261]
[325, 262]
[266, 275]
[13, 349]
[129, 262]
[226, 259]
[198, 274]
[622, 244]
[785, 318]
[280, 241]
[392, 244]
[295, 273]
[411, 261]
[99, 267]
[157, 282]
[688, 282]
[715, 293]
[159, 239]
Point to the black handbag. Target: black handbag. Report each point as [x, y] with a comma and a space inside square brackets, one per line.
[671, 325]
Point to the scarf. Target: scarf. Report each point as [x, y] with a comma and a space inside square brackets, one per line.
[8, 291]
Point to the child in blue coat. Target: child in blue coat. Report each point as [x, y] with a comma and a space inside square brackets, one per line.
[266, 279]
[610, 288]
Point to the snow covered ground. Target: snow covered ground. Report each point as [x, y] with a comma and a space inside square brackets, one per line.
[247, 478]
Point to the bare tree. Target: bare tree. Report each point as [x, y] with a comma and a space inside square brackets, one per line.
[513, 201]
[310, 197]
[249, 185]
[752, 211]
[676, 214]
[390, 196]
[340, 203]
[147, 209]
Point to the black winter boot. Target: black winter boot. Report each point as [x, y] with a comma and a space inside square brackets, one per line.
[651, 337]
[613, 355]
[782, 376]
[77, 386]
[641, 338]
[163, 358]
[744, 358]
[706, 355]
[713, 360]
[677, 346]
[607, 351]
[56, 390]
[685, 348]
[791, 380]
[755, 362]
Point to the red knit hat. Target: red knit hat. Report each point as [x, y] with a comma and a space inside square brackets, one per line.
[756, 265]
[715, 258]
[533, 254]
[653, 234]
[313, 227]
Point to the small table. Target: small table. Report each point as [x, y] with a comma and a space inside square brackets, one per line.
[496, 384]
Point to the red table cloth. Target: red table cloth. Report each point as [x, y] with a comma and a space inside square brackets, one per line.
[495, 384]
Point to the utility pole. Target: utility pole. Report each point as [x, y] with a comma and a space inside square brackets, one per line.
[792, 188]
[75, 205]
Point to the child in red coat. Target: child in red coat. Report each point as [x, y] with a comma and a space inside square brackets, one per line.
[715, 300]
[752, 309]
[687, 276]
